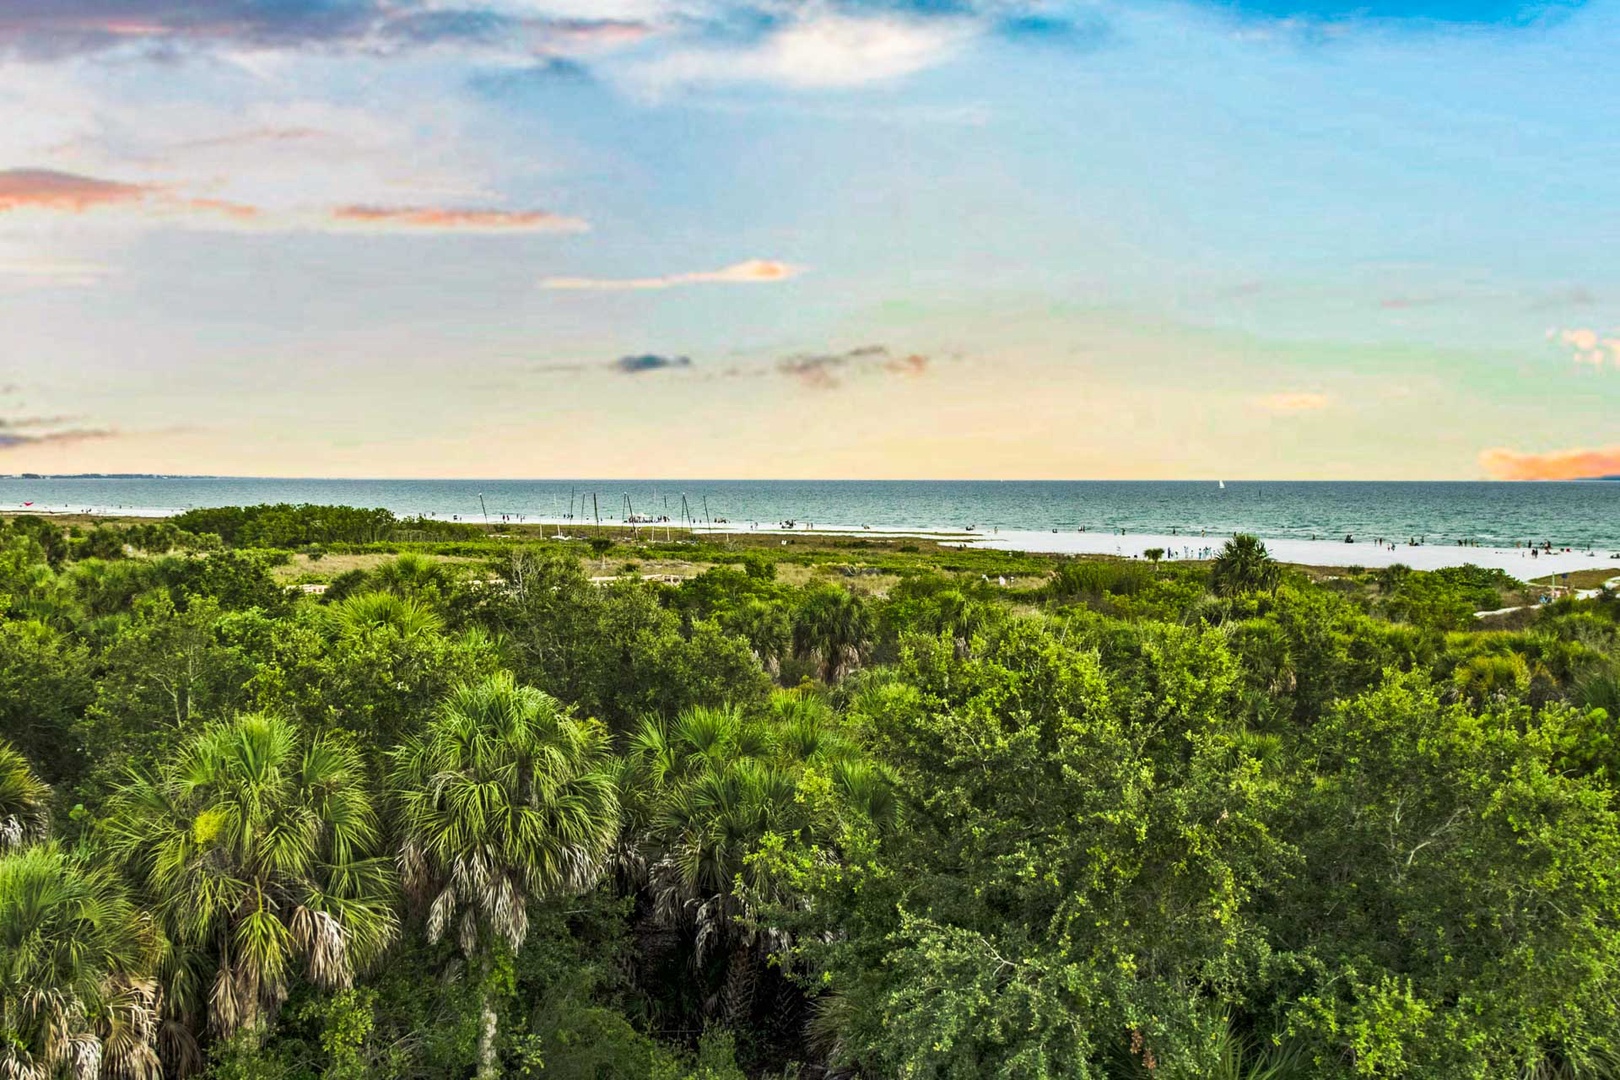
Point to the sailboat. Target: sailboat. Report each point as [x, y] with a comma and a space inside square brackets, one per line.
[1222, 483]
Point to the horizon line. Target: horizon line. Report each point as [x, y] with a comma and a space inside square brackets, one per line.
[764, 480]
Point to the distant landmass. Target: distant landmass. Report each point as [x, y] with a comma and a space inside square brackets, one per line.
[101, 476]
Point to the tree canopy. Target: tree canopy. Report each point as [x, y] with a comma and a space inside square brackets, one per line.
[289, 792]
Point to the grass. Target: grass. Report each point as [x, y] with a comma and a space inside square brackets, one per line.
[301, 568]
[1587, 579]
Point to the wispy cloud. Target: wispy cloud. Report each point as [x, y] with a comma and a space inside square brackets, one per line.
[634, 364]
[817, 51]
[455, 219]
[1501, 463]
[1292, 402]
[36, 430]
[825, 371]
[46, 28]
[645, 362]
[48, 189]
[1590, 346]
[751, 272]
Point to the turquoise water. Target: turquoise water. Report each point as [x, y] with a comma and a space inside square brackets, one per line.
[1498, 514]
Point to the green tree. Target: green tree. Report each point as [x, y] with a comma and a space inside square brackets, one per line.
[76, 994]
[45, 685]
[505, 799]
[25, 802]
[161, 673]
[403, 614]
[1454, 912]
[833, 626]
[1244, 566]
[1072, 867]
[415, 577]
[256, 849]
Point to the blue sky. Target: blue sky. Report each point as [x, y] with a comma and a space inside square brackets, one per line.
[663, 238]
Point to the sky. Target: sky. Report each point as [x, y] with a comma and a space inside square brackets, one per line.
[1283, 239]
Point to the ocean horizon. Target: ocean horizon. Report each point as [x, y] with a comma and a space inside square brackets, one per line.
[1574, 514]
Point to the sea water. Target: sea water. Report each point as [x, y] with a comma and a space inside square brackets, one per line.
[1502, 515]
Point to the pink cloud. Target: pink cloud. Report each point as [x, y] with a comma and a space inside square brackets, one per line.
[47, 189]
[749, 272]
[61, 192]
[236, 210]
[1589, 346]
[1501, 463]
[456, 219]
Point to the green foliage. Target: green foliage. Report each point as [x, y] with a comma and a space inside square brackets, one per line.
[833, 627]
[45, 686]
[1073, 866]
[1454, 915]
[505, 799]
[1117, 821]
[25, 802]
[257, 849]
[73, 956]
[1092, 580]
[1244, 566]
[616, 651]
[283, 525]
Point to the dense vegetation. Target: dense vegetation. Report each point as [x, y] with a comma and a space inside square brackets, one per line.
[504, 808]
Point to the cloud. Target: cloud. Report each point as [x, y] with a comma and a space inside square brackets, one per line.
[825, 371]
[820, 51]
[1590, 346]
[1292, 402]
[751, 272]
[640, 365]
[47, 189]
[637, 364]
[1501, 463]
[52, 28]
[50, 191]
[55, 27]
[454, 219]
[40, 430]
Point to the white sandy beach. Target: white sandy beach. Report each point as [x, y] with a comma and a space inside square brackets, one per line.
[1519, 562]
[1515, 561]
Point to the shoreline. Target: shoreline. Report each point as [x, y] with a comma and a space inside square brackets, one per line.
[1517, 562]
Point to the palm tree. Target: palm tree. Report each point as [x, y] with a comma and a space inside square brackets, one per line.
[25, 810]
[834, 626]
[765, 626]
[414, 577]
[373, 610]
[704, 792]
[76, 996]
[506, 798]
[1244, 566]
[256, 850]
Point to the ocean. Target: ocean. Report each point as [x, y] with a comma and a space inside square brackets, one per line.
[1582, 516]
